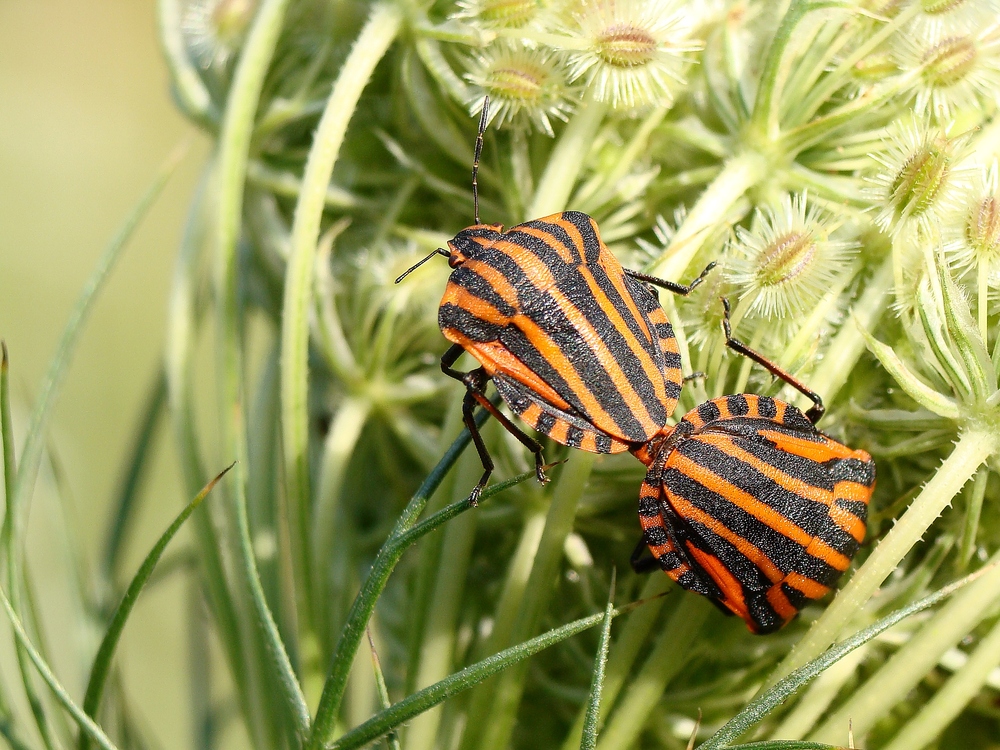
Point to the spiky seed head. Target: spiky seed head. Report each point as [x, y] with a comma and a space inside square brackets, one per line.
[788, 259]
[215, 28]
[920, 179]
[633, 51]
[499, 14]
[974, 230]
[524, 84]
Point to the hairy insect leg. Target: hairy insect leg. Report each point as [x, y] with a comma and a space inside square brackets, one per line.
[817, 410]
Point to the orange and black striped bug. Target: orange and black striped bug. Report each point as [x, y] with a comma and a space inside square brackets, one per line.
[746, 502]
[576, 345]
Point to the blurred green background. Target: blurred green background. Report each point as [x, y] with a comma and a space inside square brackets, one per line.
[85, 119]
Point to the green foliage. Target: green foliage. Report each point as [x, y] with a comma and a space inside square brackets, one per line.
[839, 161]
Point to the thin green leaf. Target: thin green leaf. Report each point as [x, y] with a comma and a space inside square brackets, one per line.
[593, 714]
[965, 333]
[786, 745]
[132, 476]
[35, 440]
[189, 89]
[6, 433]
[364, 603]
[464, 679]
[975, 508]
[919, 391]
[392, 739]
[85, 723]
[759, 708]
[102, 661]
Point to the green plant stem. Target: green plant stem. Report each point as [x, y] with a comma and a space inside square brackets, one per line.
[443, 609]
[419, 702]
[392, 739]
[566, 161]
[592, 713]
[771, 697]
[182, 332]
[674, 648]
[376, 36]
[764, 122]
[189, 89]
[908, 666]
[739, 174]
[85, 723]
[935, 716]
[848, 345]
[973, 447]
[136, 466]
[364, 603]
[330, 546]
[234, 149]
[816, 701]
[626, 649]
[102, 660]
[972, 514]
[558, 523]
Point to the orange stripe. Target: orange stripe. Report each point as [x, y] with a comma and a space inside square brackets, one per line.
[559, 431]
[779, 603]
[818, 452]
[537, 271]
[588, 442]
[559, 248]
[731, 589]
[648, 365]
[726, 444]
[807, 586]
[741, 499]
[463, 298]
[748, 550]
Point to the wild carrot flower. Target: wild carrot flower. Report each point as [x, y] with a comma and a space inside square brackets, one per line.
[920, 178]
[635, 51]
[215, 28]
[499, 14]
[956, 71]
[975, 228]
[788, 259]
[523, 84]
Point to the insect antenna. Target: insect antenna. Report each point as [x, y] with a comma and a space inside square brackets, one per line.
[483, 119]
[415, 266]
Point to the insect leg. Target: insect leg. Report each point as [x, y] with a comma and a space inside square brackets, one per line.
[475, 383]
[817, 410]
[642, 564]
[672, 286]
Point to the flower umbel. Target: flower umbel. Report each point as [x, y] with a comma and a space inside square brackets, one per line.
[920, 180]
[788, 259]
[499, 14]
[215, 28]
[956, 71]
[522, 83]
[635, 51]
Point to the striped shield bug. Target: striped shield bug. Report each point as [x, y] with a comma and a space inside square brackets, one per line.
[576, 345]
[746, 502]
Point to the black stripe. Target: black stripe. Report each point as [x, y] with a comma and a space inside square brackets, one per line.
[786, 555]
[737, 405]
[591, 242]
[648, 506]
[542, 309]
[810, 515]
[709, 412]
[765, 619]
[766, 407]
[545, 423]
[656, 536]
[475, 284]
[854, 507]
[795, 597]
[460, 319]
[670, 561]
[853, 470]
[603, 442]
[557, 234]
[574, 436]
[673, 390]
